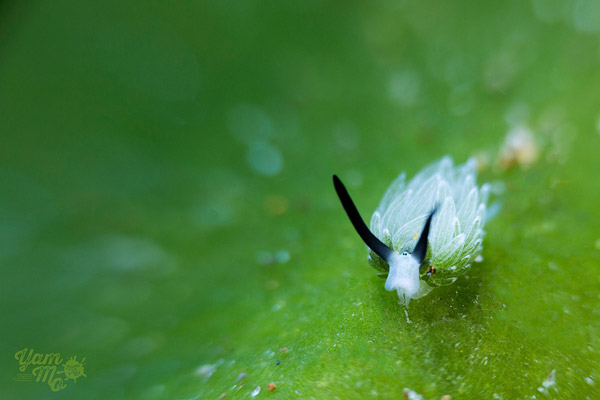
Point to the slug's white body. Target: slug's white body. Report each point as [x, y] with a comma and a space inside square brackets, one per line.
[456, 229]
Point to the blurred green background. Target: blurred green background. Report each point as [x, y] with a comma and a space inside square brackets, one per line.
[166, 207]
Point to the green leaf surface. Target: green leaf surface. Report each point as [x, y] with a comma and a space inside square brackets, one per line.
[166, 207]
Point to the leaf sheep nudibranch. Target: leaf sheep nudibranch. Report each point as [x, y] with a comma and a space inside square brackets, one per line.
[441, 206]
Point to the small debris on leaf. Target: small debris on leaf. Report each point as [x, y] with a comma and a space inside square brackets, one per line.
[206, 370]
[550, 380]
[411, 394]
[241, 377]
[520, 149]
[276, 205]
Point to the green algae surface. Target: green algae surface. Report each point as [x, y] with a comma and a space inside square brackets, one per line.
[167, 212]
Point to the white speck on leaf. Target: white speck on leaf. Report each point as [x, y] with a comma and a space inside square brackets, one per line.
[206, 370]
[548, 382]
[412, 395]
[589, 381]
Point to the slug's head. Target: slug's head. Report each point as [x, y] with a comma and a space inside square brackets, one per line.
[403, 274]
